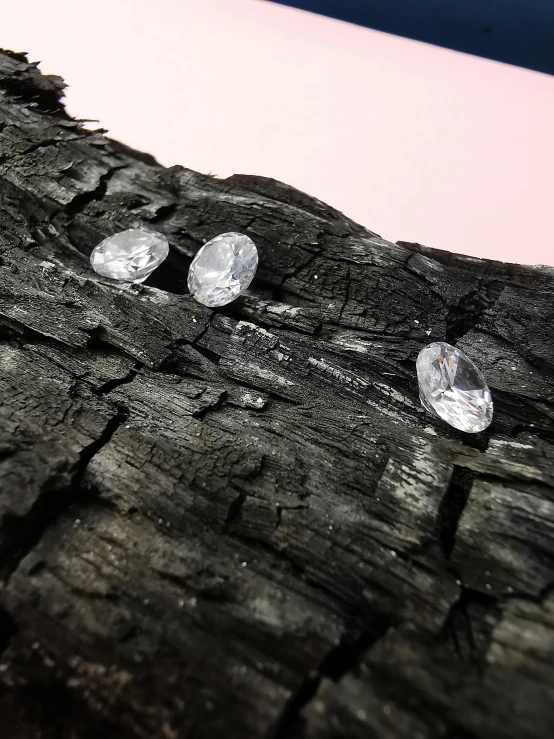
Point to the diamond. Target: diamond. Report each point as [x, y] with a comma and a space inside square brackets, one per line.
[130, 255]
[223, 269]
[451, 387]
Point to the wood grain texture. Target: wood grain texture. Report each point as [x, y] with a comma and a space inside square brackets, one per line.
[240, 522]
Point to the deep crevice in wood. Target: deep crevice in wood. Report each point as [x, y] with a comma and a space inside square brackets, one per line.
[337, 662]
[20, 535]
[452, 506]
[80, 201]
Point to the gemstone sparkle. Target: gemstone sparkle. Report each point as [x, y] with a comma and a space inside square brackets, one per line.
[453, 388]
[223, 269]
[130, 255]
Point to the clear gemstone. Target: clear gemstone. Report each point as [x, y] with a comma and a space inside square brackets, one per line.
[451, 387]
[223, 269]
[130, 255]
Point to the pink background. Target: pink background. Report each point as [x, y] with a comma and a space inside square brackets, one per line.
[417, 143]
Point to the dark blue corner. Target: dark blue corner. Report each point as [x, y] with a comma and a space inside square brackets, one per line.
[517, 32]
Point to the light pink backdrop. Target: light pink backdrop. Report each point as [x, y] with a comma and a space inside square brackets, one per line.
[416, 142]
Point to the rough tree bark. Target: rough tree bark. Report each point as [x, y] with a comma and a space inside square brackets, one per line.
[239, 523]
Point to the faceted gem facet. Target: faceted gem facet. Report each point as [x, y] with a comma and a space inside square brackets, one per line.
[223, 269]
[451, 387]
[130, 255]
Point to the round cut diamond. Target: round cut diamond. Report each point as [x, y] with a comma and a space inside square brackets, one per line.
[223, 269]
[451, 387]
[130, 255]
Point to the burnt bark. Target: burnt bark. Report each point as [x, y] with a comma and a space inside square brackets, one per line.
[240, 522]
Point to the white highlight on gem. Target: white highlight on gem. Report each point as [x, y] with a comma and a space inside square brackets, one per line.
[451, 387]
[223, 269]
[130, 255]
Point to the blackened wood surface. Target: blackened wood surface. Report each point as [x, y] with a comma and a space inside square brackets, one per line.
[239, 523]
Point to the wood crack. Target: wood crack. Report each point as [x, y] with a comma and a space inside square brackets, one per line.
[79, 202]
[470, 309]
[21, 534]
[338, 661]
[452, 506]
[110, 385]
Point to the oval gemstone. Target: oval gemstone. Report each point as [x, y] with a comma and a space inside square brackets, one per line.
[223, 269]
[451, 387]
[130, 255]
